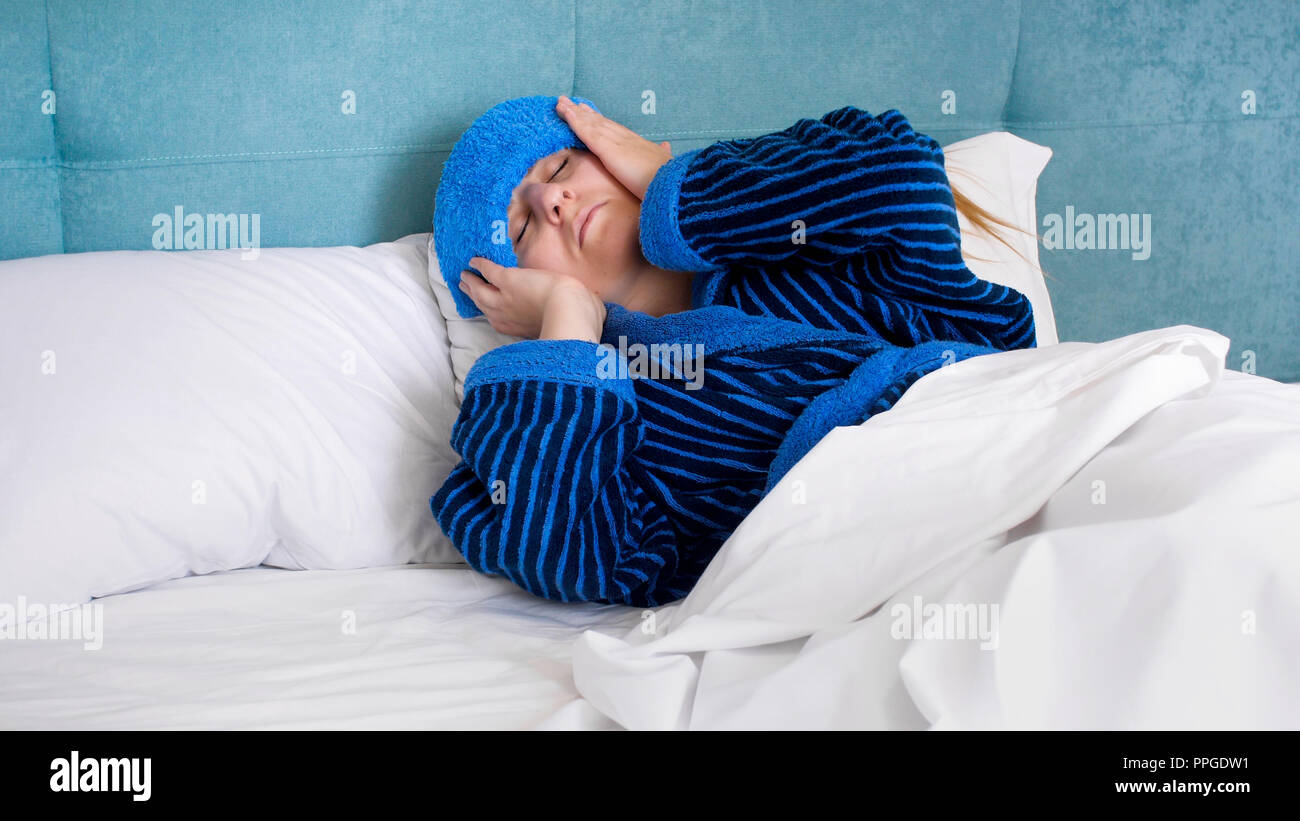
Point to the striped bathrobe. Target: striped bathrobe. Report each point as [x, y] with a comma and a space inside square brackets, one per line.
[827, 278]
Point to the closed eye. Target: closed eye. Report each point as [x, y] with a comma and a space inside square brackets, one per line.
[530, 214]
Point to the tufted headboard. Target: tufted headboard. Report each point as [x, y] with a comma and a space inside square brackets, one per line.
[329, 121]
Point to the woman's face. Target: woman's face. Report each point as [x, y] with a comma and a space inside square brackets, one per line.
[546, 206]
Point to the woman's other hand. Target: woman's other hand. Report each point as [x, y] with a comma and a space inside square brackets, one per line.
[534, 303]
[631, 158]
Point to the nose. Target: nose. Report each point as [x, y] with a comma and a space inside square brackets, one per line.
[548, 201]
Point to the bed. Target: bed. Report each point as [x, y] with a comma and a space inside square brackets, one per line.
[1117, 519]
[1152, 630]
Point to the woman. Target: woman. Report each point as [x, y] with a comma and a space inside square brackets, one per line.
[818, 269]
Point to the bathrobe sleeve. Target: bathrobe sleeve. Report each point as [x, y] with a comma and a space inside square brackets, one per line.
[547, 492]
[850, 196]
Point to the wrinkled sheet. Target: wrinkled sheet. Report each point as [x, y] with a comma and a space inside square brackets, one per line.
[1130, 507]
[387, 648]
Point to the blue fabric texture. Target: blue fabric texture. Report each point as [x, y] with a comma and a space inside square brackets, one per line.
[480, 174]
[347, 151]
[827, 279]
[665, 244]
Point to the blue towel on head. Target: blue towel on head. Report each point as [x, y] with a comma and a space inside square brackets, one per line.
[488, 161]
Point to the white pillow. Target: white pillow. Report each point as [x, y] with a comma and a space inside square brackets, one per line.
[1004, 171]
[999, 172]
[469, 338]
[176, 412]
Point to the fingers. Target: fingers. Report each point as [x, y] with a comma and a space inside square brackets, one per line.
[465, 287]
[483, 266]
[566, 104]
[576, 116]
[567, 111]
[587, 122]
[482, 294]
[481, 289]
[488, 297]
[602, 136]
[491, 272]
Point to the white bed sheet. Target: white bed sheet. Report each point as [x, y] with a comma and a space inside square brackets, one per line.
[434, 647]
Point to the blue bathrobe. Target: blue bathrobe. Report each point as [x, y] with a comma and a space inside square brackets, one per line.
[828, 278]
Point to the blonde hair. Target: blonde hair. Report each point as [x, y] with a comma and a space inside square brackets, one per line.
[987, 222]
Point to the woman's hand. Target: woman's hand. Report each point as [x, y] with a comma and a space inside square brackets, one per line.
[534, 303]
[631, 158]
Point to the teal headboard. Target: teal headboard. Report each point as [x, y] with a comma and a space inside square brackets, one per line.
[330, 121]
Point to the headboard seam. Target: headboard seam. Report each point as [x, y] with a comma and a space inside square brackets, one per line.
[1015, 61]
[54, 133]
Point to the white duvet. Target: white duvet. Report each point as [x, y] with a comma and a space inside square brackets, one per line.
[1130, 509]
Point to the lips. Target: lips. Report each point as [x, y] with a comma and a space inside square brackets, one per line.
[583, 219]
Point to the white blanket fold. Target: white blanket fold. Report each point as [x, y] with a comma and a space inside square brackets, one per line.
[790, 626]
